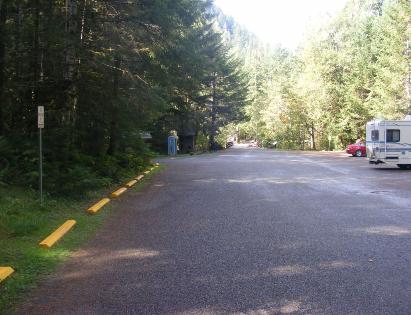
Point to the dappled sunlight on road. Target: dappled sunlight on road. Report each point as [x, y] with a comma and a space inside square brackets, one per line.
[336, 264]
[282, 181]
[138, 253]
[387, 230]
[97, 262]
[278, 181]
[205, 180]
[239, 181]
[200, 311]
[287, 307]
[287, 270]
[288, 245]
[290, 307]
[340, 184]
[280, 271]
[295, 270]
[270, 180]
[228, 155]
[283, 307]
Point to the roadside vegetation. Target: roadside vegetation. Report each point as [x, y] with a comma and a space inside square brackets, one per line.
[347, 71]
[24, 222]
[107, 72]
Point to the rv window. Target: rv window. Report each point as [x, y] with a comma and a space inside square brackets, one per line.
[375, 135]
[393, 135]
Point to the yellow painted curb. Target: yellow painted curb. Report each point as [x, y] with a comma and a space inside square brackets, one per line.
[139, 177]
[96, 207]
[5, 272]
[118, 192]
[157, 164]
[131, 183]
[146, 172]
[57, 234]
[152, 168]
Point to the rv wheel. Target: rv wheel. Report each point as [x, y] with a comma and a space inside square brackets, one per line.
[358, 153]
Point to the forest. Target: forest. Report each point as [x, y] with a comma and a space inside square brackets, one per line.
[347, 71]
[108, 72]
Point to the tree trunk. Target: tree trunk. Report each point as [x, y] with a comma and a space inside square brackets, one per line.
[17, 33]
[16, 111]
[74, 30]
[313, 136]
[2, 62]
[35, 68]
[302, 137]
[114, 133]
[213, 130]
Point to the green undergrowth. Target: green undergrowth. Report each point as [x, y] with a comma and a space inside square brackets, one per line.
[24, 223]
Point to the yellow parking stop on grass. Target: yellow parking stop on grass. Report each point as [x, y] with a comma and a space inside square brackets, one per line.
[5, 272]
[118, 192]
[131, 183]
[96, 207]
[139, 177]
[57, 234]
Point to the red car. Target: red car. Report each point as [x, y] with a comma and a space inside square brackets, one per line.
[357, 149]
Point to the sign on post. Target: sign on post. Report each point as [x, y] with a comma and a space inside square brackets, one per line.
[40, 117]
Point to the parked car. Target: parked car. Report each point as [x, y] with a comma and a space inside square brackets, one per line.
[357, 149]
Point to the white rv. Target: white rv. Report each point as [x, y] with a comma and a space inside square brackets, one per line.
[389, 141]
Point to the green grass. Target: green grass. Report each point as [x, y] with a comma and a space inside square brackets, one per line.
[24, 223]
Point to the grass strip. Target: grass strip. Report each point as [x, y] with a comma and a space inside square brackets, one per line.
[24, 223]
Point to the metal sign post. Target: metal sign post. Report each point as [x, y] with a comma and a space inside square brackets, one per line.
[40, 125]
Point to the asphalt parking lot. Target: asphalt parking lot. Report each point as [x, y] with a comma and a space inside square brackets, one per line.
[247, 231]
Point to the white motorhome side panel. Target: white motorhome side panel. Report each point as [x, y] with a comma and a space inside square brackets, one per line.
[389, 141]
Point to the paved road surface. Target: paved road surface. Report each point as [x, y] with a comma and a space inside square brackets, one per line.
[247, 231]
